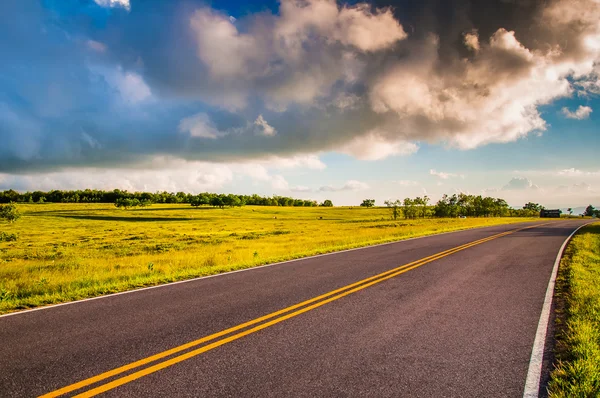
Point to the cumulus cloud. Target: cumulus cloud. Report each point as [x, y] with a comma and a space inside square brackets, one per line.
[519, 184]
[375, 146]
[308, 77]
[351, 185]
[583, 112]
[472, 40]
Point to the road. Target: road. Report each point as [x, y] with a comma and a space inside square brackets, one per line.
[460, 323]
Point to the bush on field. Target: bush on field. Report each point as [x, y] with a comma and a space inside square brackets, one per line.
[9, 212]
[6, 237]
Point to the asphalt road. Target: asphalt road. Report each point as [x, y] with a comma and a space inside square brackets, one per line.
[460, 325]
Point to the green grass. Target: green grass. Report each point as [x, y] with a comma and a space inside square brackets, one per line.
[66, 252]
[577, 371]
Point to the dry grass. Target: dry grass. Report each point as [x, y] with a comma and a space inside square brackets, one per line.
[66, 252]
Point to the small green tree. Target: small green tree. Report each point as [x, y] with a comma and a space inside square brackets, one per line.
[394, 206]
[368, 203]
[327, 203]
[570, 210]
[590, 211]
[126, 203]
[9, 212]
[535, 207]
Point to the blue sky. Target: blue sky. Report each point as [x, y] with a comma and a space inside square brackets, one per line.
[312, 98]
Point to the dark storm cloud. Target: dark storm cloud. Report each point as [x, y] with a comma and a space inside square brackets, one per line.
[82, 84]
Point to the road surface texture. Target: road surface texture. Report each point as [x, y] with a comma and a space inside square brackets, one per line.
[461, 324]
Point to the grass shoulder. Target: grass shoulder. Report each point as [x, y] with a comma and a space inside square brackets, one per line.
[577, 364]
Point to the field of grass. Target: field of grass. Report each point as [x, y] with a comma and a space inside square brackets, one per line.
[67, 252]
[577, 372]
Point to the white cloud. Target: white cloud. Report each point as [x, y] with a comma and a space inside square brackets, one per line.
[200, 126]
[353, 26]
[570, 172]
[263, 127]
[114, 3]
[375, 146]
[300, 188]
[351, 185]
[130, 85]
[279, 183]
[519, 184]
[583, 112]
[577, 188]
[171, 174]
[297, 161]
[407, 183]
[445, 176]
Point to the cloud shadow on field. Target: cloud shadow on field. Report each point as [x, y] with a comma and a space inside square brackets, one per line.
[128, 219]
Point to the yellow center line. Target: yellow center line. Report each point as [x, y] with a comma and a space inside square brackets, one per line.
[348, 289]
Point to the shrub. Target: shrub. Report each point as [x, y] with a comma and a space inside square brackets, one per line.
[6, 237]
[9, 212]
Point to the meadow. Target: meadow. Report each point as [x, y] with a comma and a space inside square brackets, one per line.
[66, 252]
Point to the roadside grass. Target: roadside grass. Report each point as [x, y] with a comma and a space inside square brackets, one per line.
[65, 252]
[577, 366]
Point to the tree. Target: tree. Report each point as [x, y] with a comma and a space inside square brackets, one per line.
[394, 207]
[570, 210]
[9, 212]
[368, 203]
[410, 210]
[126, 203]
[327, 203]
[535, 207]
[590, 211]
[217, 201]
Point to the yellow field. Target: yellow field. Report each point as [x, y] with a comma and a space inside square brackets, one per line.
[70, 251]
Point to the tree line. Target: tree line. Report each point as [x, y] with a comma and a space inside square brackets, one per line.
[457, 205]
[127, 199]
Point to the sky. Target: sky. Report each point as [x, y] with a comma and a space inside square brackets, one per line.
[314, 99]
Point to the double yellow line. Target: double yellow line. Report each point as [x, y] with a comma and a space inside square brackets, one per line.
[272, 319]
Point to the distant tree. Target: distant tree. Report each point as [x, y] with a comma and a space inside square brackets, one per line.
[423, 202]
[410, 210]
[327, 203]
[394, 206]
[590, 211]
[217, 201]
[534, 207]
[368, 203]
[570, 210]
[127, 203]
[232, 200]
[9, 212]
